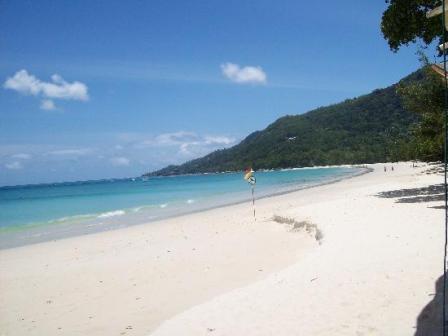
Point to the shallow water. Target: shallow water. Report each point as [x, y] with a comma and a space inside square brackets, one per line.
[48, 211]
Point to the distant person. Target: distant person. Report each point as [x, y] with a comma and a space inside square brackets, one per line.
[385, 169]
[392, 168]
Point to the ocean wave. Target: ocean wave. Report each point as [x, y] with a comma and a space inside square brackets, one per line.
[142, 207]
[137, 209]
[112, 214]
[95, 224]
[70, 218]
[164, 205]
[190, 201]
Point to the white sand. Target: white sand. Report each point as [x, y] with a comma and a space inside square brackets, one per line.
[219, 273]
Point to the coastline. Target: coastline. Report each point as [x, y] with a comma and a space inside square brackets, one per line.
[219, 271]
[37, 233]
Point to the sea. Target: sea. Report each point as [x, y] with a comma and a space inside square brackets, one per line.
[42, 212]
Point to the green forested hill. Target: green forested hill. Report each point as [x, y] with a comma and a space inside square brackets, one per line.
[371, 128]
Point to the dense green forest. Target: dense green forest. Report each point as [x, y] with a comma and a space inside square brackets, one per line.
[370, 128]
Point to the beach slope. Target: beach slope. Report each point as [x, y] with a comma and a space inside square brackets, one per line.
[374, 274]
[357, 257]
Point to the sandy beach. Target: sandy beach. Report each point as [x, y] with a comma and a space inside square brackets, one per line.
[357, 257]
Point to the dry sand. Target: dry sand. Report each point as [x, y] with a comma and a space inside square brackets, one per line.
[220, 273]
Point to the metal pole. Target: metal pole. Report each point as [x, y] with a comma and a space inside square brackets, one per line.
[253, 202]
[445, 170]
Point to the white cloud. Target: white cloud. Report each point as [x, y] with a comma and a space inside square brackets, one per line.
[47, 104]
[71, 152]
[219, 140]
[22, 156]
[120, 161]
[58, 88]
[14, 165]
[244, 75]
[184, 139]
[176, 138]
[186, 144]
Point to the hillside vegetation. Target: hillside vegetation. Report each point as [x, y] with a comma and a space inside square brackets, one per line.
[370, 128]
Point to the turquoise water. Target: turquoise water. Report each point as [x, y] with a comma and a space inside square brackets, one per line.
[48, 211]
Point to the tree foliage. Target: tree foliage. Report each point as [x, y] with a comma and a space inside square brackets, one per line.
[404, 22]
[426, 98]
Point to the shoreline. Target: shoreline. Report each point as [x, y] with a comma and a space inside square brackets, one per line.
[219, 270]
[39, 235]
[32, 185]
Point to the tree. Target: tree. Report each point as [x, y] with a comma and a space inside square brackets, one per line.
[426, 98]
[405, 22]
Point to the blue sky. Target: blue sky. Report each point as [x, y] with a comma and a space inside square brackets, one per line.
[100, 89]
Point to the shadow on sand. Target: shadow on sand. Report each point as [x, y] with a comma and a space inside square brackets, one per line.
[430, 193]
[429, 321]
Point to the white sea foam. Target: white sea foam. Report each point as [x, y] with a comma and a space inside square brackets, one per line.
[70, 218]
[164, 205]
[190, 201]
[95, 224]
[112, 214]
[139, 208]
